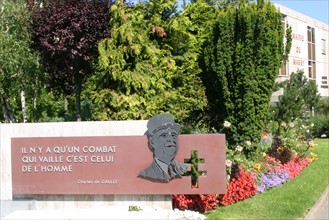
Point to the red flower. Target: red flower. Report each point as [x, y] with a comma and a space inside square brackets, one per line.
[238, 189]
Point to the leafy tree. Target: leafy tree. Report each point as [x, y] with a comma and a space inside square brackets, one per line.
[311, 96]
[148, 65]
[19, 66]
[240, 63]
[322, 106]
[299, 94]
[67, 41]
[321, 119]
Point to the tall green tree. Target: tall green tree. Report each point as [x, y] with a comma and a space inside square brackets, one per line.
[240, 63]
[20, 71]
[67, 41]
[148, 65]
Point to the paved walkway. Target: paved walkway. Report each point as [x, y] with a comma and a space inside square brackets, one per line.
[320, 211]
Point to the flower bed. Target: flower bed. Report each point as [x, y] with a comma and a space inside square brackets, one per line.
[276, 173]
[279, 157]
[245, 183]
[294, 167]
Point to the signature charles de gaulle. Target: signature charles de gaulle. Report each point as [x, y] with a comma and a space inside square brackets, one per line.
[162, 132]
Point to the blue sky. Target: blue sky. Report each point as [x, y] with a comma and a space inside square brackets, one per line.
[318, 9]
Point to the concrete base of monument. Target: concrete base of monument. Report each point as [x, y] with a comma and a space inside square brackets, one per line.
[9, 206]
[118, 213]
[112, 213]
[77, 204]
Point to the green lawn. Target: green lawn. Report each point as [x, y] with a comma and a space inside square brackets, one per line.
[289, 201]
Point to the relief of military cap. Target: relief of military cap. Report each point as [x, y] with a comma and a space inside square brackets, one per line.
[161, 121]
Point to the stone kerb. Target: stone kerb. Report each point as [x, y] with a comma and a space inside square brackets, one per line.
[73, 129]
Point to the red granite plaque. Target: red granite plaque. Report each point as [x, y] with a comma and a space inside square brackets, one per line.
[110, 165]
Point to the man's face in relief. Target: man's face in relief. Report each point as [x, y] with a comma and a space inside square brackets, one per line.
[165, 143]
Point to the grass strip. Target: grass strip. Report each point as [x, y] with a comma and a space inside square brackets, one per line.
[292, 200]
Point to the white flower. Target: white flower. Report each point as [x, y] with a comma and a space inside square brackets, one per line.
[227, 124]
[248, 143]
[239, 148]
[56, 39]
[292, 124]
[283, 124]
[312, 124]
[228, 163]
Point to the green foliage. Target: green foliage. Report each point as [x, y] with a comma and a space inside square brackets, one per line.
[52, 109]
[195, 172]
[222, 3]
[299, 95]
[240, 63]
[19, 65]
[201, 16]
[321, 119]
[148, 66]
[321, 125]
[293, 139]
[235, 158]
[311, 96]
[49, 108]
[322, 106]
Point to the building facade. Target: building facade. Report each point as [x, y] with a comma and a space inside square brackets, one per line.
[309, 50]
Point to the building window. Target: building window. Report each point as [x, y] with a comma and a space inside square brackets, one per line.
[283, 70]
[283, 22]
[311, 70]
[323, 46]
[311, 52]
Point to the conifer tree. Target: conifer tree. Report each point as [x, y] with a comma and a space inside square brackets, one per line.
[148, 65]
[241, 61]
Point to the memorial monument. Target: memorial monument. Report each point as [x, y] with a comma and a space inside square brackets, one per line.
[95, 165]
